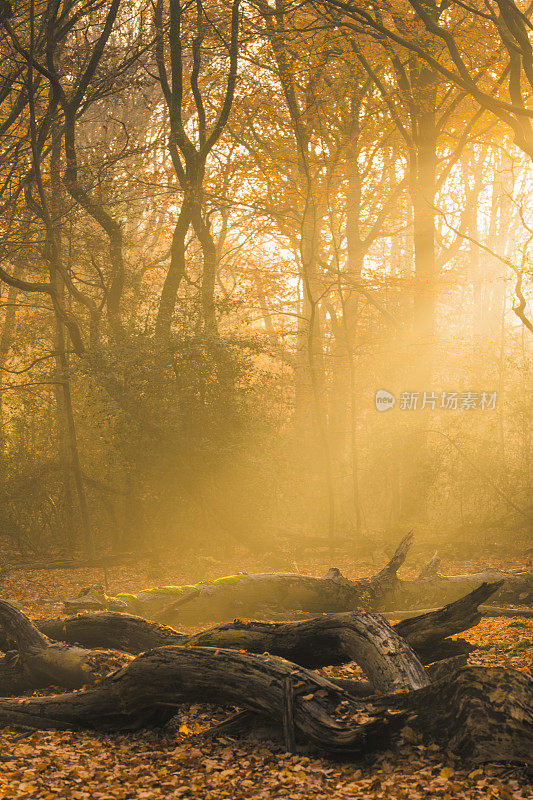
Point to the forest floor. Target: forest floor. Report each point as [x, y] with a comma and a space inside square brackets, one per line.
[176, 762]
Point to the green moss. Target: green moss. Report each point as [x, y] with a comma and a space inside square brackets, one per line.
[135, 600]
[171, 590]
[229, 578]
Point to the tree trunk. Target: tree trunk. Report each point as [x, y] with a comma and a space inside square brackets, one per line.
[516, 588]
[364, 638]
[209, 274]
[67, 434]
[40, 662]
[483, 714]
[269, 595]
[175, 273]
[422, 188]
[326, 640]
[6, 339]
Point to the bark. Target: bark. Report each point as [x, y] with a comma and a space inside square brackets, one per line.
[486, 611]
[176, 271]
[209, 273]
[39, 662]
[108, 629]
[516, 587]
[151, 688]
[481, 714]
[327, 640]
[422, 86]
[251, 595]
[67, 429]
[436, 672]
[427, 632]
[6, 339]
[189, 158]
[364, 638]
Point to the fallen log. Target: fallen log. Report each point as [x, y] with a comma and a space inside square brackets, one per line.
[150, 689]
[250, 595]
[109, 630]
[312, 642]
[480, 714]
[33, 661]
[485, 610]
[70, 563]
[516, 588]
[364, 638]
[273, 595]
[484, 714]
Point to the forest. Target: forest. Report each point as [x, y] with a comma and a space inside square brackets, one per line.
[266, 281]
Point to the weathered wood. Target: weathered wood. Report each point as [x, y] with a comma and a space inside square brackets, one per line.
[365, 638]
[268, 596]
[40, 662]
[483, 714]
[150, 689]
[13, 681]
[425, 632]
[111, 630]
[251, 595]
[486, 611]
[311, 642]
[516, 587]
[288, 715]
[480, 714]
[436, 671]
[18, 629]
[431, 568]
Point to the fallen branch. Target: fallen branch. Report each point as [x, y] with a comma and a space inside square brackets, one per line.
[426, 632]
[485, 611]
[364, 638]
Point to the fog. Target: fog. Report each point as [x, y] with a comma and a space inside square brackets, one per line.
[265, 294]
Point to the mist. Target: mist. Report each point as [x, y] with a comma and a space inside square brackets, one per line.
[265, 298]
[266, 317]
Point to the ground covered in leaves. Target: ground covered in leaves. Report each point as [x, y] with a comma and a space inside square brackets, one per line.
[178, 762]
